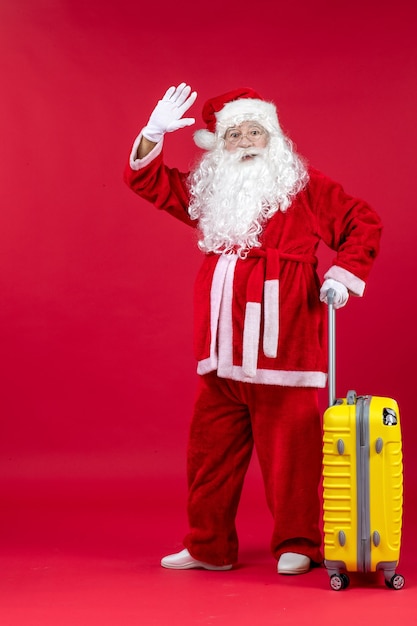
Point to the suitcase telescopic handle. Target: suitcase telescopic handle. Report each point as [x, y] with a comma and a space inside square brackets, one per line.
[331, 343]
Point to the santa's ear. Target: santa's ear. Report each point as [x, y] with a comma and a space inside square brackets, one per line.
[204, 139]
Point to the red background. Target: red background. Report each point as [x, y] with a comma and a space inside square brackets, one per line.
[97, 371]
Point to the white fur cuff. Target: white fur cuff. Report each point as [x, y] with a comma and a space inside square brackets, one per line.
[137, 164]
[355, 285]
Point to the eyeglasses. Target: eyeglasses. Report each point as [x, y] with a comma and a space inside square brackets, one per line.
[235, 136]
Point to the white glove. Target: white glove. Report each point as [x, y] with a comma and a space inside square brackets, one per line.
[167, 115]
[341, 293]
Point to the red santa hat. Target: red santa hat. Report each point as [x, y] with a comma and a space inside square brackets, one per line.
[231, 109]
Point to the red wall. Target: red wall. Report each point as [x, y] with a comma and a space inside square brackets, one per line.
[97, 371]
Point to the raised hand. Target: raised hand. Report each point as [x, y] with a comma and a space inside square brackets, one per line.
[167, 115]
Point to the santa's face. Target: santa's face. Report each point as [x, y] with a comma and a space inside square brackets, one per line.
[246, 135]
[239, 184]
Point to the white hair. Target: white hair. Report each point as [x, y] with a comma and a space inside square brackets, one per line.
[233, 197]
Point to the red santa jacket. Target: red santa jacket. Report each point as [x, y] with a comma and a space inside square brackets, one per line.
[260, 319]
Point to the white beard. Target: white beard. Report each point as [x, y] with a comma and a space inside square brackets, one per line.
[234, 193]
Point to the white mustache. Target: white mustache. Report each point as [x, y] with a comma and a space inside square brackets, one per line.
[241, 153]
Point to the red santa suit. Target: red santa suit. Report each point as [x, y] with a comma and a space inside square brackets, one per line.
[260, 348]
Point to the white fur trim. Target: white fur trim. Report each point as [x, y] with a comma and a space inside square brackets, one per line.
[204, 139]
[355, 285]
[216, 293]
[205, 366]
[271, 318]
[225, 326]
[137, 164]
[251, 332]
[267, 377]
[247, 109]
[276, 377]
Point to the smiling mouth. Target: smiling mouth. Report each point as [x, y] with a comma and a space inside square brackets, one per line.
[247, 157]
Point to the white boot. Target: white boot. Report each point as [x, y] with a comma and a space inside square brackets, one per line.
[184, 560]
[292, 563]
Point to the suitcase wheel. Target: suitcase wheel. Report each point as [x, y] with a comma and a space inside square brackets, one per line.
[339, 582]
[396, 582]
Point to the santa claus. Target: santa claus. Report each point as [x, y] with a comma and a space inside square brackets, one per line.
[261, 213]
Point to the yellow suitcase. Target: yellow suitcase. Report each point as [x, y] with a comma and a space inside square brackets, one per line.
[362, 483]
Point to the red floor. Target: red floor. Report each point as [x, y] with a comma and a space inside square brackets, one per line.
[76, 556]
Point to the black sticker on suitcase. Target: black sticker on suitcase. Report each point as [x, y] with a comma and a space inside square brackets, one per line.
[389, 417]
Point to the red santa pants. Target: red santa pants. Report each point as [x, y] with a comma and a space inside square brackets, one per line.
[284, 425]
